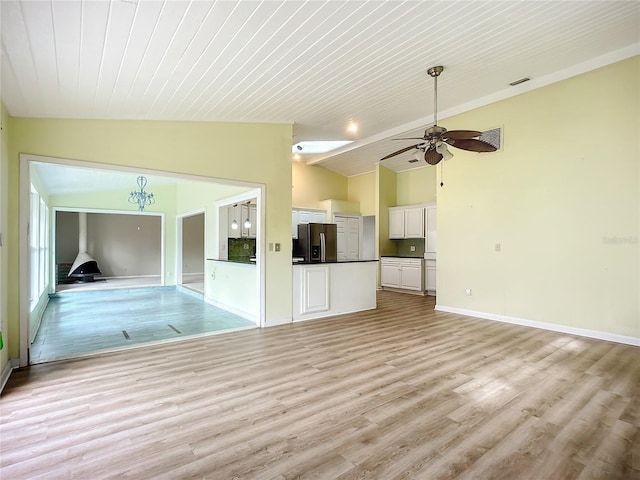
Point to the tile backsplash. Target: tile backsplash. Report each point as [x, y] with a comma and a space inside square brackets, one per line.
[403, 247]
[242, 247]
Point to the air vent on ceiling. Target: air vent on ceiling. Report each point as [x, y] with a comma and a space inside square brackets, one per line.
[413, 160]
[518, 82]
[493, 137]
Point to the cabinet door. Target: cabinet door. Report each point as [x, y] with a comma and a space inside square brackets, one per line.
[431, 279]
[396, 223]
[234, 216]
[318, 217]
[411, 277]
[253, 217]
[353, 238]
[304, 216]
[342, 238]
[295, 219]
[414, 222]
[430, 227]
[389, 274]
[315, 289]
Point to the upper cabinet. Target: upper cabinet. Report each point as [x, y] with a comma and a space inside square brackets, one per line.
[406, 222]
[299, 215]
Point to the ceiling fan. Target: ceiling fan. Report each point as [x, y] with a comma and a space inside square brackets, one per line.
[436, 138]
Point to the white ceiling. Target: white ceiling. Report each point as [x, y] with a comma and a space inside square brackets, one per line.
[317, 64]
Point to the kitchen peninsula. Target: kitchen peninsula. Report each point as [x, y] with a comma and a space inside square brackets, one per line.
[333, 288]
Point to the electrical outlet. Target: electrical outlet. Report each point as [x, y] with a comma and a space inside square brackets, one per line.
[246, 246]
[277, 247]
[498, 247]
[412, 248]
[468, 292]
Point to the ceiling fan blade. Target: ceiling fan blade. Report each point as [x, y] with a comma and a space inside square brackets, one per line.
[432, 157]
[471, 144]
[461, 134]
[402, 150]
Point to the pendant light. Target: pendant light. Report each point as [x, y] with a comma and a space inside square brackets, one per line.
[234, 224]
[247, 221]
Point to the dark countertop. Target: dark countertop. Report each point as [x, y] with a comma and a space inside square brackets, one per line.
[402, 256]
[243, 260]
[337, 261]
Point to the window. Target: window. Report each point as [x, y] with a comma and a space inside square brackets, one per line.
[38, 247]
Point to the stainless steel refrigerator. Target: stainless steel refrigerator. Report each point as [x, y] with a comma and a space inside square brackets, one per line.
[317, 242]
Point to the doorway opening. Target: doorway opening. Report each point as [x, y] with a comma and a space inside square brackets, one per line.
[73, 186]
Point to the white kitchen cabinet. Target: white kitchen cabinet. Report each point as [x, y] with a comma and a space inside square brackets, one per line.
[430, 220]
[253, 217]
[396, 222]
[390, 272]
[299, 215]
[414, 222]
[430, 276]
[404, 273]
[406, 222]
[315, 289]
[348, 237]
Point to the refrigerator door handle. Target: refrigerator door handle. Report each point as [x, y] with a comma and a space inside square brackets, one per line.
[323, 246]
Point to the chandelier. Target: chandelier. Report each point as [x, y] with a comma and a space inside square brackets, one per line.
[142, 198]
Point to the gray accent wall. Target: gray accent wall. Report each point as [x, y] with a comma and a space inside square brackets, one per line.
[193, 244]
[123, 245]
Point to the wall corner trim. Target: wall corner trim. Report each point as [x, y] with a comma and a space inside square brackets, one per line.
[582, 332]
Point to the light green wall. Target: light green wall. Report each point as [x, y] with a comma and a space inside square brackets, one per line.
[4, 222]
[386, 182]
[362, 189]
[311, 184]
[562, 199]
[419, 185]
[219, 150]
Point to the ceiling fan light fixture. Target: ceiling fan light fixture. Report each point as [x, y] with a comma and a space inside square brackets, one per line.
[442, 149]
[418, 155]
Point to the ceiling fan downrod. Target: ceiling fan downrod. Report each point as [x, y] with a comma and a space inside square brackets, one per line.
[434, 72]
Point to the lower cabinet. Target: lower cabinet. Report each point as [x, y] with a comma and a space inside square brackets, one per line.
[405, 273]
[430, 277]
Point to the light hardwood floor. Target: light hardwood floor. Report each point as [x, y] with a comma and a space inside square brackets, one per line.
[399, 392]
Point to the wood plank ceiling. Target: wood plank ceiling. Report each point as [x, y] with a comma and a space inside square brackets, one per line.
[319, 65]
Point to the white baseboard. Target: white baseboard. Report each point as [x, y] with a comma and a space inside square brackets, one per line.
[241, 313]
[6, 372]
[278, 321]
[583, 332]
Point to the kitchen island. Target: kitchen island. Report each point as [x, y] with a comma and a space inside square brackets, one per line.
[333, 288]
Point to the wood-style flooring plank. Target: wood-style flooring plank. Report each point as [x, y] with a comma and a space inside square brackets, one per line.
[400, 392]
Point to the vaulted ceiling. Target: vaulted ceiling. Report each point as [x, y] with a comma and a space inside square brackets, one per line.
[319, 65]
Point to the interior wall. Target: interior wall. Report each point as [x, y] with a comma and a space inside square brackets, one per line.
[192, 148]
[312, 184]
[4, 222]
[561, 200]
[419, 185]
[123, 245]
[66, 237]
[193, 244]
[362, 189]
[385, 198]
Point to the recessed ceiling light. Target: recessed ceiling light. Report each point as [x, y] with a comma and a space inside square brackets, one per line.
[352, 127]
[296, 156]
[320, 146]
